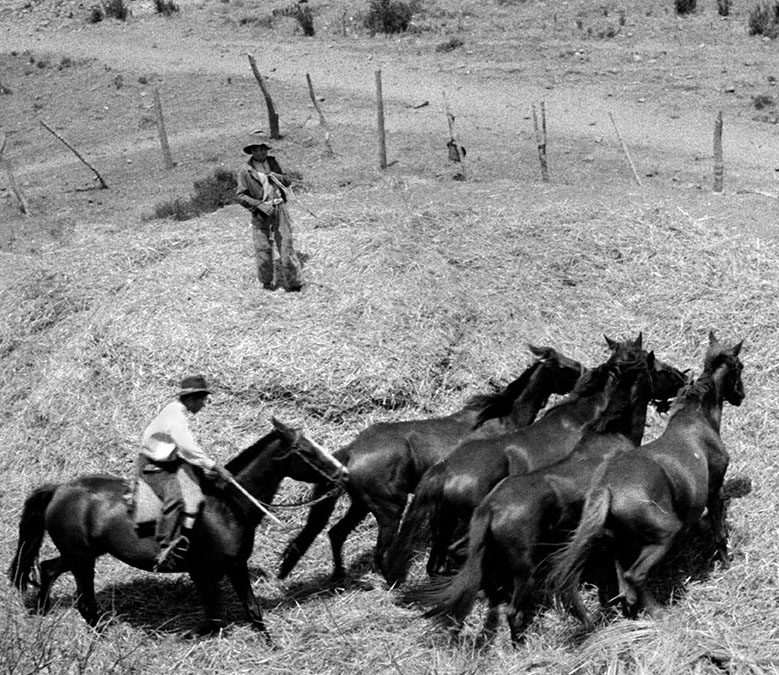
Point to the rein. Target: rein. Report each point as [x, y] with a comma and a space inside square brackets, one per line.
[307, 502]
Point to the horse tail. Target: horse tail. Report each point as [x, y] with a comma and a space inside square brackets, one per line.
[31, 530]
[567, 564]
[453, 598]
[416, 524]
[318, 517]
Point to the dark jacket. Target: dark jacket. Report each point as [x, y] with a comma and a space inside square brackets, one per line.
[250, 193]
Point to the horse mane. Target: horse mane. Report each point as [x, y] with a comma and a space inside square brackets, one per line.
[617, 406]
[593, 380]
[246, 456]
[504, 397]
[693, 392]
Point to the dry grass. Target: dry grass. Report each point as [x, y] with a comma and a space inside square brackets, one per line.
[404, 315]
[419, 292]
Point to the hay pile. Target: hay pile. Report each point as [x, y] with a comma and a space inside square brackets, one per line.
[415, 301]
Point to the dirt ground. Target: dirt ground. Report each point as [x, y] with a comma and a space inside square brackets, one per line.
[662, 77]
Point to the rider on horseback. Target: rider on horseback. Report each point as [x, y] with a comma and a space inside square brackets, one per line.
[168, 464]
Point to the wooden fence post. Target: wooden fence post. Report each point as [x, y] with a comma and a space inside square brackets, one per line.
[541, 140]
[719, 169]
[625, 150]
[161, 130]
[273, 117]
[456, 151]
[322, 121]
[380, 120]
[24, 207]
[103, 184]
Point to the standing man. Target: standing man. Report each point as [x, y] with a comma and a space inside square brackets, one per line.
[262, 189]
[168, 463]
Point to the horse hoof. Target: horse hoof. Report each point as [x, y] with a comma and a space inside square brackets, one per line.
[209, 627]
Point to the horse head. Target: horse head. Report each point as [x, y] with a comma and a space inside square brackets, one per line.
[666, 383]
[564, 371]
[311, 452]
[726, 363]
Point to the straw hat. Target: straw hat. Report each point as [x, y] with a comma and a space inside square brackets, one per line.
[193, 384]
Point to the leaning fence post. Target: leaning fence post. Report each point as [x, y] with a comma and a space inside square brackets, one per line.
[719, 169]
[380, 121]
[625, 150]
[322, 121]
[24, 207]
[103, 184]
[161, 130]
[273, 117]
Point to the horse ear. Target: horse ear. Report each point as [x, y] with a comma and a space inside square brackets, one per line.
[737, 348]
[611, 343]
[279, 426]
[640, 339]
[712, 338]
[650, 360]
[540, 352]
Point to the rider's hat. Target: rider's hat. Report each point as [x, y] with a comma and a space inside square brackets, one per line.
[193, 384]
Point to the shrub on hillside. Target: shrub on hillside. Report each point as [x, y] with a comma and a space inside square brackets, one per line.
[95, 14]
[685, 6]
[764, 19]
[450, 45]
[165, 7]
[211, 193]
[388, 16]
[116, 9]
[723, 7]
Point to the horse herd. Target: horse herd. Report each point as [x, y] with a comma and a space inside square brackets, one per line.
[519, 508]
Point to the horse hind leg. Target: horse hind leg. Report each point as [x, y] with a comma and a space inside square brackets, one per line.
[634, 579]
[50, 571]
[341, 530]
[84, 574]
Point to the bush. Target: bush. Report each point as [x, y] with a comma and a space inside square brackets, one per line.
[116, 9]
[305, 19]
[211, 193]
[95, 14]
[165, 7]
[685, 6]
[388, 16]
[764, 20]
[723, 7]
[450, 45]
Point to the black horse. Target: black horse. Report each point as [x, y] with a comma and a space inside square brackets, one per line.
[385, 467]
[88, 517]
[644, 500]
[517, 526]
[450, 490]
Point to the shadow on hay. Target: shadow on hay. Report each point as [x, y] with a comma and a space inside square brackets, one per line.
[327, 584]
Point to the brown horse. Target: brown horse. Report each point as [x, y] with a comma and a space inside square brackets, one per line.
[646, 498]
[513, 530]
[88, 517]
[385, 466]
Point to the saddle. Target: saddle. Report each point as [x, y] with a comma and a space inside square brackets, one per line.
[143, 506]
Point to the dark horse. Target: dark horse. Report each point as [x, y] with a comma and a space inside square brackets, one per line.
[385, 467]
[646, 498]
[88, 517]
[525, 516]
[450, 491]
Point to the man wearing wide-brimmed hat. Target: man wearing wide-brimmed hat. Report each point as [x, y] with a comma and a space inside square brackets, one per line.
[262, 189]
[169, 463]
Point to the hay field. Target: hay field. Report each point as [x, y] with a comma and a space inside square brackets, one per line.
[421, 291]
